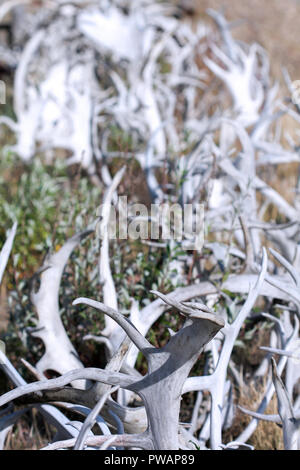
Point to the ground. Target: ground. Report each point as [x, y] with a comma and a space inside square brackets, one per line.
[272, 23]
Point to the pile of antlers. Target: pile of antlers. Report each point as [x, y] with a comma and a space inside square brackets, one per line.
[87, 66]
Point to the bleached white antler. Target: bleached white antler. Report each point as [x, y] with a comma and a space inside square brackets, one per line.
[60, 354]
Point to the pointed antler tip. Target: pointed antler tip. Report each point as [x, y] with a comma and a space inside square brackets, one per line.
[155, 292]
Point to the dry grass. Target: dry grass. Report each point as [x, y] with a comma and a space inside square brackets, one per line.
[267, 436]
[30, 433]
